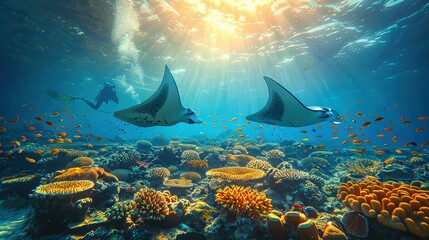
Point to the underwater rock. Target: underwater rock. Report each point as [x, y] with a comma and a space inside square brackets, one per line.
[191, 235]
[199, 214]
[355, 224]
[167, 155]
[20, 184]
[396, 172]
[105, 194]
[122, 174]
[144, 146]
[276, 227]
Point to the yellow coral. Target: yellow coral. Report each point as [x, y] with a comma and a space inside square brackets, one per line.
[83, 173]
[259, 164]
[236, 173]
[151, 204]
[159, 172]
[80, 162]
[64, 188]
[17, 179]
[399, 206]
[244, 201]
[178, 183]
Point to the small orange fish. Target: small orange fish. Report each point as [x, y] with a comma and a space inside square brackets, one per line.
[380, 152]
[246, 123]
[352, 135]
[59, 140]
[20, 150]
[54, 150]
[356, 142]
[394, 138]
[365, 124]
[13, 121]
[303, 131]
[366, 141]
[398, 151]
[402, 117]
[89, 145]
[424, 144]
[241, 136]
[50, 140]
[38, 151]
[100, 138]
[410, 143]
[49, 123]
[423, 118]
[38, 135]
[38, 118]
[30, 160]
[389, 160]
[334, 131]
[62, 134]
[103, 149]
[333, 138]
[388, 129]
[2, 129]
[380, 135]
[358, 114]
[345, 142]
[407, 122]
[55, 114]
[239, 130]
[378, 119]
[320, 146]
[359, 152]
[420, 129]
[233, 119]
[68, 140]
[31, 128]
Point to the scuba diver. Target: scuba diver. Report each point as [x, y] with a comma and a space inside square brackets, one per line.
[108, 93]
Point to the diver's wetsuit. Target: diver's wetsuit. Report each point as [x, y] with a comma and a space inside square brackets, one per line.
[108, 93]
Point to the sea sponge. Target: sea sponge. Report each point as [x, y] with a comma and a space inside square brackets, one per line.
[150, 204]
[178, 183]
[294, 218]
[259, 164]
[80, 162]
[308, 230]
[63, 188]
[236, 173]
[399, 206]
[197, 165]
[193, 176]
[355, 224]
[333, 233]
[244, 201]
[241, 159]
[83, 173]
[190, 154]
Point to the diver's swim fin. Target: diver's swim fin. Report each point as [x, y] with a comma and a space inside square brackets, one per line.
[59, 96]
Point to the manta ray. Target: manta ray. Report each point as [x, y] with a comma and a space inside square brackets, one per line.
[163, 108]
[284, 109]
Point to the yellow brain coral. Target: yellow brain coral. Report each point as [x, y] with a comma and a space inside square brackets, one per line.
[244, 201]
[399, 206]
[64, 188]
[236, 173]
[193, 176]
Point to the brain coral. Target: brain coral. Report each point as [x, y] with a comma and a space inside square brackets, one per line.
[190, 154]
[150, 204]
[193, 176]
[64, 188]
[159, 172]
[80, 162]
[236, 173]
[313, 162]
[399, 206]
[121, 210]
[275, 153]
[244, 201]
[197, 165]
[259, 164]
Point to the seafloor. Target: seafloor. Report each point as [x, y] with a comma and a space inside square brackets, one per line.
[187, 189]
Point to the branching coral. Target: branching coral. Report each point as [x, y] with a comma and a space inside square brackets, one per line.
[244, 201]
[275, 153]
[124, 159]
[236, 173]
[121, 210]
[361, 167]
[159, 172]
[399, 206]
[150, 204]
[259, 164]
[190, 154]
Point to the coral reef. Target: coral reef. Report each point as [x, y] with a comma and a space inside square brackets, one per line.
[197, 165]
[236, 174]
[80, 162]
[244, 201]
[193, 176]
[143, 146]
[399, 206]
[240, 159]
[355, 224]
[259, 164]
[124, 159]
[190, 155]
[313, 162]
[361, 167]
[150, 204]
[64, 188]
[83, 173]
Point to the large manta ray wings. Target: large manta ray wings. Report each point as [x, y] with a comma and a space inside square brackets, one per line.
[284, 109]
[163, 108]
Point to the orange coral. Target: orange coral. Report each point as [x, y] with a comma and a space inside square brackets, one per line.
[151, 204]
[240, 159]
[236, 173]
[399, 206]
[244, 201]
[197, 165]
[83, 173]
[64, 188]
